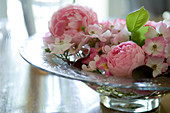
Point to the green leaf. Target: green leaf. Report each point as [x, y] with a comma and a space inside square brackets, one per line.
[139, 36]
[83, 28]
[137, 19]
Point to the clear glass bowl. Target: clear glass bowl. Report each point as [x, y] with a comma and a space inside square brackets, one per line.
[123, 94]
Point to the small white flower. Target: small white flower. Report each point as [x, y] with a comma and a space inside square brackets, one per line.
[90, 67]
[157, 64]
[106, 49]
[92, 64]
[155, 46]
[60, 46]
[106, 35]
[161, 30]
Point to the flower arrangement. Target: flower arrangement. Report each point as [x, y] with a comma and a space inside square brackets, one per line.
[111, 48]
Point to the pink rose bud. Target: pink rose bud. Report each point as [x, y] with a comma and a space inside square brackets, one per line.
[124, 58]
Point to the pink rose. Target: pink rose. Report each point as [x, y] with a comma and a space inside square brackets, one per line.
[124, 58]
[71, 18]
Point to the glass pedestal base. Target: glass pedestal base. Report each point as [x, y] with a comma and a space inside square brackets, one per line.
[130, 105]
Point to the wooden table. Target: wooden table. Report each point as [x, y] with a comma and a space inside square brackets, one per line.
[26, 89]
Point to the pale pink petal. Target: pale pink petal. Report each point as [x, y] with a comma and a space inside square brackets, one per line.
[67, 39]
[157, 64]
[96, 58]
[71, 18]
[167, 33]
[162, 27]
[78, 16]
[106, 49]
[84, 22]
[102, 63]
[60, 27]
[74, 24]
[164, 30]
[155, 46]
[151, 33]
[92, 65]
[47, 39]
[154, 60]
[94, 29]
[84, 67]
[102, 39]
[122, 36]
[167, 49]
[106, 34]
[156, 72]
[164, 67]
[147, 47]
[167, 22]
[151, 23]
[82, 43]
[57, 40]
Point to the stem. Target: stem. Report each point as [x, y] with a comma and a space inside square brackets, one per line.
[60, 57]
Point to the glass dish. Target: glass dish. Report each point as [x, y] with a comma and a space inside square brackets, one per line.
[123, 94]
